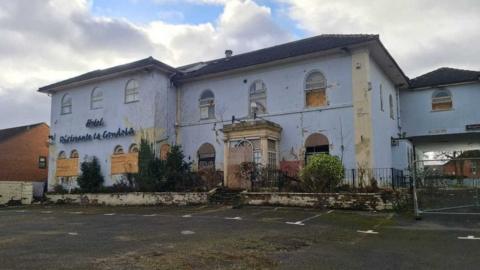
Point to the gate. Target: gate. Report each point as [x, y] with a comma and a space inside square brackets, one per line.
[240, 154]
[447, 186]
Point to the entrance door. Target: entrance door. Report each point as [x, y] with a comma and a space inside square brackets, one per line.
[240, 155]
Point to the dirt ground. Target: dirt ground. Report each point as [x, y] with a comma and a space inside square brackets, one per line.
[217, 237]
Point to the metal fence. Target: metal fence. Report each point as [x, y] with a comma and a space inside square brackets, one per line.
[446, 186]
[355, 180]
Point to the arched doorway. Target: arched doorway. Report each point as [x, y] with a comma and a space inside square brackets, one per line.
[206, 157]
[316, 143]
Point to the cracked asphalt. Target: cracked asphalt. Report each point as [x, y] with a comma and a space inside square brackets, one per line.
[218, 237]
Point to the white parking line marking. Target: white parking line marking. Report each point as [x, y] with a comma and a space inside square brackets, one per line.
[295, 223]
[76, 213]
[21, 211]
[470, 237]
[330, 211]
[72, 233]
[187, 216]
[234, 218]
[368, 232]
[151, 215]
[46, 212]
[186, 232]
[302, 222]
[109, 214]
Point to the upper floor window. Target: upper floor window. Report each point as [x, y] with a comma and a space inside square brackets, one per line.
[390, 104]
[132, 93]
[258, 98]
[66, 106]
[96, 99]
[207, 105]
[315, 90]
[381, 98]
[118, 150]
[441, 100]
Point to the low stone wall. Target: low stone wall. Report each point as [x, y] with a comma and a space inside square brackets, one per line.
[16, 191]
[354, 201]
[134, 198]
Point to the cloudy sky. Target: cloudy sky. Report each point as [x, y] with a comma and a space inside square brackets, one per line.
[44, 41]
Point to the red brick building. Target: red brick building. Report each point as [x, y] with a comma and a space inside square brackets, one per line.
[466, 165]
[24, 154]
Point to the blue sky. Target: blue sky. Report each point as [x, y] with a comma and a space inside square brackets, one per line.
[183, 12]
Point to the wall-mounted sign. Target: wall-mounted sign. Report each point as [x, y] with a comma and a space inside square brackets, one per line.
[472, 127]
[95, 123]
[98, 136]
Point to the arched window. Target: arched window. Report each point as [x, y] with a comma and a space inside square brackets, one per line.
[62, 155]
[133, 148]
[206, 157]
[66, 107]
[390, 103]
[96, 99]
[316, 143]
[132, 93]
[207, 105]
[441, 100]
[74, 154]
[258, 98]
[164, 150]
[315, 90]
[118, 150]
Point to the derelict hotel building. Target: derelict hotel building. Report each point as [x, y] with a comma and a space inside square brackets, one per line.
[341, 94]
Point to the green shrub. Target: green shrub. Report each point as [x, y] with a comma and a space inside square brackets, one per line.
[150, 169]
[91, 178]
[322, 173]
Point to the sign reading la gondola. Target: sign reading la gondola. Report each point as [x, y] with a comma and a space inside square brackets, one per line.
[98, 136]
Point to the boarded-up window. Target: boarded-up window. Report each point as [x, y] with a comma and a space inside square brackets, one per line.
[164, 150]
[67, 167]
[315, 90]
[124, 163]
[441, 100]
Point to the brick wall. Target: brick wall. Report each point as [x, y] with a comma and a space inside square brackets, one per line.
[19, 155]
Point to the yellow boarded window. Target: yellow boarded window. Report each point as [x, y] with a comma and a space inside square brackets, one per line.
[315, 90]
[124, 163]
[441, 100]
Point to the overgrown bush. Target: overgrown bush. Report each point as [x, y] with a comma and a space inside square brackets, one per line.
[91, 178]
[322, 173]
[150, 169]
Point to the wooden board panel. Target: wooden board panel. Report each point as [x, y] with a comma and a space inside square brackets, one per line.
[125, 163]
[67, 167]
[316, 98]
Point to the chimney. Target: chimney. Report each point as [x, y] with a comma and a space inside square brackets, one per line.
[228, 53]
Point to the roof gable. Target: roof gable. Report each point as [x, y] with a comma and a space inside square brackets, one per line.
[444, 76]
[8, 133]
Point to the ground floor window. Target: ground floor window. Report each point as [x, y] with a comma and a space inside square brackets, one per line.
[316, 143]
[206, 157]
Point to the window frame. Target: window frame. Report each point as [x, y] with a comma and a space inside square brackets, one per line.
[133, 148]
[307, 90]
[391, 107]
[96, 98]
[207, 103]
[134, 91]
[118, 150]
[66, 104]
[441, 100]
[74, 154]
[259, 96]
[42, 162]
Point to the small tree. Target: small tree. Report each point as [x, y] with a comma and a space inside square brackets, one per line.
[91, 178]
[177, 171]
[150, 169]
[322, 173]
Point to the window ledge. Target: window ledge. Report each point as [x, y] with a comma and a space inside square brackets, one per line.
[446, 110]
[134, 101]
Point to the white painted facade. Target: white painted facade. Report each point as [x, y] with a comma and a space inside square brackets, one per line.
[169, 113]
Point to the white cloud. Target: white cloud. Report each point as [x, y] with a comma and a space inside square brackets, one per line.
[421, 35]
[46, 41]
